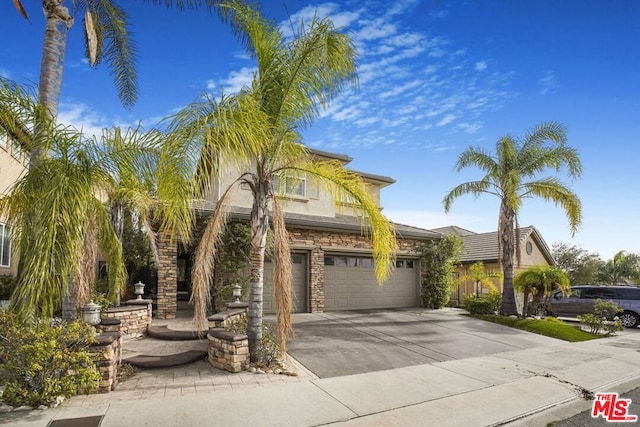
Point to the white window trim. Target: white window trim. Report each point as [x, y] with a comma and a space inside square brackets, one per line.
[3, 236]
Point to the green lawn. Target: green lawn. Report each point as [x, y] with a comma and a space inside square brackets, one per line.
[551, 328]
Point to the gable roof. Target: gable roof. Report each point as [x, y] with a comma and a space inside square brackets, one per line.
[454, 229]
[484, 246]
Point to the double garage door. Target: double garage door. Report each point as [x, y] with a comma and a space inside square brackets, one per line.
[349, 284]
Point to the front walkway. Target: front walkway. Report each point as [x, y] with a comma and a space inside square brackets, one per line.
[192, 379]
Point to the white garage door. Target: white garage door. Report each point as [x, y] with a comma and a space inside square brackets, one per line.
[299, 285]
[350, 284]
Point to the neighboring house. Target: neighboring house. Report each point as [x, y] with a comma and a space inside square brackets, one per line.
[484, 247]
[13, 165]
[332, 260]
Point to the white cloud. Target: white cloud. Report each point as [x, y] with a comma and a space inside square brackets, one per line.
[83, 118]
[481, 66]
[238, 80]
[447, 120]
[547, 83]
[211, 84]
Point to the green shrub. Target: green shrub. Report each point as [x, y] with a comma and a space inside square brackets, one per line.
[42, 360]
[268, 350]
[495, 298]
[467, 300]
[481, 306]
[599, 319]
[7, 284]
[438, 259]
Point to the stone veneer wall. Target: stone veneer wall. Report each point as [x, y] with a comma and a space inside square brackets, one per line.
[324, 241]
[167, 278]
[135, 319]
[107, 354]
[227, 350]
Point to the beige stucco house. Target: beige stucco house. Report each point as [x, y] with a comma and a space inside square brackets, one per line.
[484, 247]
[332, 260]
[13, 165]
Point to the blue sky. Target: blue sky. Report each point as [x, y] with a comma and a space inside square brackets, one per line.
[435, 77]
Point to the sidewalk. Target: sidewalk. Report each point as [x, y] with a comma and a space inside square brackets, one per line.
[481, 391]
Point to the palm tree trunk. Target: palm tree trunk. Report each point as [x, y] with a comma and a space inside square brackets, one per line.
[508, 306]
[259, 226]
[58, 22]
[117, 220]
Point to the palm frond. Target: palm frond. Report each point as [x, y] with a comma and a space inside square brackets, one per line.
[111, 25]
[204, 260]
[550, 189]
[344, 184]
[474, 187]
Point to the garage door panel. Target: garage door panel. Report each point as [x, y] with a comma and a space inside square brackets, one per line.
[350, 284]
[298, 285]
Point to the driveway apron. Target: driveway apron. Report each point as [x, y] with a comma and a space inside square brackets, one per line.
[353, 342]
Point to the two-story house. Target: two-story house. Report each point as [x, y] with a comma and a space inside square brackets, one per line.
[332, 260]
[13, 165]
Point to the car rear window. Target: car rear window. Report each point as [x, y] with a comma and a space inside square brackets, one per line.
[631, 293]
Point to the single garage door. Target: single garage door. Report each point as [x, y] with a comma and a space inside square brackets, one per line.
[350, 284]
[299, 284]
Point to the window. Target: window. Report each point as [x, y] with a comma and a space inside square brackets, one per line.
[287, 185]
[408, 263]
[328, 260]
[4, 141]
[5, 245]
[16, 151]
[366, 262]
[595, 293]
[529, 248]
[399, 263]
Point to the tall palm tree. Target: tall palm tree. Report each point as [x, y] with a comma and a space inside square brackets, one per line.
[107, 36]
[512, 175]
[257, 131]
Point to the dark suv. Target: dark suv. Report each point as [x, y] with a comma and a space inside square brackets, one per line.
[581, 298]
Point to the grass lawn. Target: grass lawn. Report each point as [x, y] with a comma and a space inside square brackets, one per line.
[550, 328]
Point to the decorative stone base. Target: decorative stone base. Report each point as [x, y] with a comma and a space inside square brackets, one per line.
[228, 351]
[135, 319]
[107, 353]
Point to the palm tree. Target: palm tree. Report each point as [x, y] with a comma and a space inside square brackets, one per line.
[107, 36]
[512, 176]
[540, 281]
[622, 268]
[257, 131]
[62, 207]
[480, 277]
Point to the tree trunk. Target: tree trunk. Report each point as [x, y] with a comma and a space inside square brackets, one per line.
[259, 226]
[508, 306]
[58, 22]
[117, 220]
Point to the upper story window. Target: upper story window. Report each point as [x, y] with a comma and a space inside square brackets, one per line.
[4, 140]
[5, 245]
[287, 185]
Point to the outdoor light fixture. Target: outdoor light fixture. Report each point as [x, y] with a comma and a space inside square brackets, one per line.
[139, 289]
[91, 313]
[237, 292]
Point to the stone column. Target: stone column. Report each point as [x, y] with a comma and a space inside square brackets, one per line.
[316, 279]
[167, 277]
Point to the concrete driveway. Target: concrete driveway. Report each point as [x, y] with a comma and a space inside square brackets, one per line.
[353, 342]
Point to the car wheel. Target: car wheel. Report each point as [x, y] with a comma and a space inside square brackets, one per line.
[629, 319]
